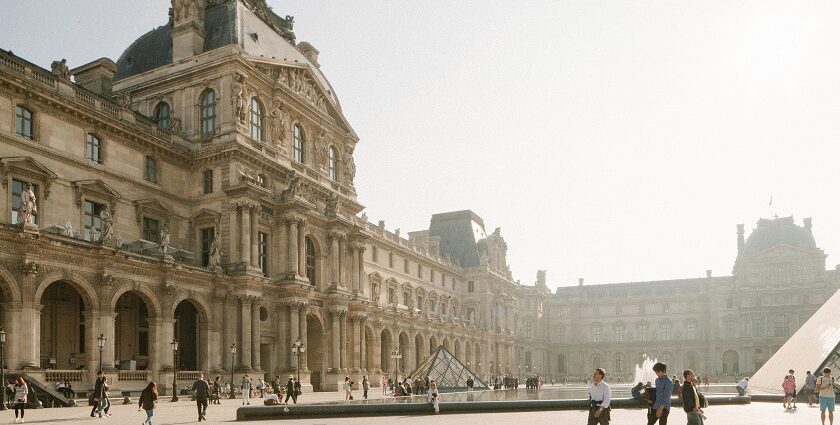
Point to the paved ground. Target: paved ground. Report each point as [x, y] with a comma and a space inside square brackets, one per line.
[184, 412]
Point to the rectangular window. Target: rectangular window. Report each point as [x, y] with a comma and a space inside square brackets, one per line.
[23, 122]
[432, 276]
[374, 253]
[208, 181]
[93, 148]
[758, 327]
[419, 302]
[470, 286]
[391, 260]
[691, 331]
[262, 251]
[93, 222]
[151, 230]
[596, 334]
[420, 271]
[666, 331]
[17, 191]
[406, 297]
[405, 266]
[151, 171]
[392, 296]
[207, 236]
[643, 333]
[729, 328]
[619, 333]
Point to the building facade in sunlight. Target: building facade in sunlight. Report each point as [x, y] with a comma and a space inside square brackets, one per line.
[201, 190]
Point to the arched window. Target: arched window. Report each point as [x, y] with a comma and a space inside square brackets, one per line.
[333, 164]
[257, 120]
[23, 122]
[208, 113]
[310, 260]
[298, 144]
[93, 148]
[162, 115]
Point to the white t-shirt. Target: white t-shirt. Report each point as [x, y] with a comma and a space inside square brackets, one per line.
[826, 386]
[743, 384]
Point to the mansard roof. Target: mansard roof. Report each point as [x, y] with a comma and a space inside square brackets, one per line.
[778, 231]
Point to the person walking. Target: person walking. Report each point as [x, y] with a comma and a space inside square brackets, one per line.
[789, 387]
[298, 391]
[290, 391]
[106, 399]
[21, 391]
[346, 387]
[246, 390]
[217, 390]
[662, 405]
[261, 387]
[810, 387]
[98, 394]
[201, 390]
[825, 385]
[741, 386]
[148, 398]
[365, 386]
[599, 399]
[691, 399]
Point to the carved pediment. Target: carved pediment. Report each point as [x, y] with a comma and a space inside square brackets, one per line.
[300, 81]
[205, 216]
[26, 167]
[392, 283]
[152, 206]
[375, 277]
[95, 188]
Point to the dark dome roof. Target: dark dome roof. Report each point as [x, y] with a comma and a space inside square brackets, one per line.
[778, 231]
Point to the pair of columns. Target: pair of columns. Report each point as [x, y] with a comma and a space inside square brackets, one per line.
[296, 246]
[340, 273]
[247, 336]
[248, 218]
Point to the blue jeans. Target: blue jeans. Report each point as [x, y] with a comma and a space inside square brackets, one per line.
[149, 414]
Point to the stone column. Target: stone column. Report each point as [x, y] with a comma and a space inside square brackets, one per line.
[342, 278]
[356, 358]
[106, 327]
[167, 333]
[363, 363]
[343, 346]
[336, 340]
[360, 269]
[294, 328]
[303, 335]
[334, 259]
[15, 335]
[301, 246]
[254, 224]
[155, 324]
[377, 352]
[245, 334]
[255, 335]
[245, 232]
[230, 327]
[281, 362]
[30, 319]
[292, 234]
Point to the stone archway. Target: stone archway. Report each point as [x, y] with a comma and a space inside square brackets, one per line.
[315, 351]
[420, 350]
[405, 349]
[445, 344]
[386, 346]
[187, 333]
[132, 342]
[730, 359]
[433, 344]
[370, 351]
[65, 328]
[457, 348]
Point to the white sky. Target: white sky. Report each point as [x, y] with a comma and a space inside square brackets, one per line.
[611, 140]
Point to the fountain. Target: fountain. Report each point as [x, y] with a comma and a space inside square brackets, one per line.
[644, 372]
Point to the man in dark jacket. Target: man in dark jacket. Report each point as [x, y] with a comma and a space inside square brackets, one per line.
[98, 394]
[290, 391]
[201, 389]
[691, 399]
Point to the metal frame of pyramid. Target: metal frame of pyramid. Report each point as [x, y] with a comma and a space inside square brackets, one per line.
[447, 371]
[814, 346]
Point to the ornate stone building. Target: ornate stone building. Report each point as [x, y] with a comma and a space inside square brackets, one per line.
[200, 189]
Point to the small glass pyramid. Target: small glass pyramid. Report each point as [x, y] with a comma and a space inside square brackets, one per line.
[449, 373]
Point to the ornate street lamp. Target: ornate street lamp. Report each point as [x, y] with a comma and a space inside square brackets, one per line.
[492, 382]
[520, 372]
[100, 341]
[2, 365]
[52, 362]
[174, 345]
[298, 349]
[232, 358]
[72, 360]
[396, 355]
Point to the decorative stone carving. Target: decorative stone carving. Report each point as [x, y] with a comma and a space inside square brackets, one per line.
[321, 148]
[349, 165]
[215, 262]
[241, 99]
[293, 190]
[164, 243]
[61, 70]
[175, 125]
[106, 279]
[28, 206]
[168, 290]
[187, 10]
[107, 226]
[124, 100]
[29, 268]
[298, 81]
[278, 122]
[119, 241]
[331, 208]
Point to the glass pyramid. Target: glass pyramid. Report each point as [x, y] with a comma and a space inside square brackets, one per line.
[814, 346]
[449, 373]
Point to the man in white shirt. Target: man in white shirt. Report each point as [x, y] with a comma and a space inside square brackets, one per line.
[599, 399]
[742, 386]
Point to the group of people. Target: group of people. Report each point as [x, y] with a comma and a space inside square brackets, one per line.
[65, 388]
[409, 386]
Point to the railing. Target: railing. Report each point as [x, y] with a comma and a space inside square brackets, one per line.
[85, 98]
[63, 375]
[43, 78]
[132, 376]
[188, 375]
[11, 64]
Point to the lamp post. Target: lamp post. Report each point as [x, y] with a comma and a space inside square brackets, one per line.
[2, 364]
[519, 374]
[396, 355]
[491, 374]
[232, 358]
[100, 341]
[298, 349]
[174, 345]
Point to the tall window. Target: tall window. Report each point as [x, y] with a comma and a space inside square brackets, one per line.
[470, 286]
[729, 328]
[298, 144]
[642, 332]
[561, 363]
[392, 296]
[151, 229]
[596, 361]
[257, 120]
[262, 252]
[405, 266]
[420, 271]
[758, 327]
[23, 122]
[333, 164]
[619, 362]
[17, 189]
[619, 333]
[162, 115]
[208, 114]
[391, 260]
[207, 236]
[93, 223]
[691, 330]
[781, 325]
[666, 331]
[310, 260]
[208, 181]
[151, 170]
[596, 334]
[94, 148]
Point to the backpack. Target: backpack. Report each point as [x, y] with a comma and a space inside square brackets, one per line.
[820, 381]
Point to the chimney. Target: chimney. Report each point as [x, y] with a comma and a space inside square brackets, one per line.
[580, 281]
[740, 238]
[708, 273]
[96, 76]
[187, 29]
[807, 223]
[310, 52]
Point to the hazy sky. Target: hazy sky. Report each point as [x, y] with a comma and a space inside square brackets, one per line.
[611, 140]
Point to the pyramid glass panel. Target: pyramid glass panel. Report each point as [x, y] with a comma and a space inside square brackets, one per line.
[447, 371]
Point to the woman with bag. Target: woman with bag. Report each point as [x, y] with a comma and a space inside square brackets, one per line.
[21, 393]
[148, 398]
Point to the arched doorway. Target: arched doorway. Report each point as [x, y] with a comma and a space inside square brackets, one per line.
[63, 328]
[370, 351]
[730, 362]
[405, 366]
[433, 344]
[478, 365]
[386, 346]
[131, 332]
[446, 344]
[470, 361]
[187, 330]
[419, 349]
[314, 351]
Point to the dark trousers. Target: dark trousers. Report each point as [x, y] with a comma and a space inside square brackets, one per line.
[602, 419]
[663, 420]
[292, 395]
[365, 393]
[201, 404]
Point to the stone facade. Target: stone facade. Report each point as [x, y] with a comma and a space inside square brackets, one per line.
[201, 189]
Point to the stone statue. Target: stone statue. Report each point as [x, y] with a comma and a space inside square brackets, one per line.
[364, 217]
[241, 99]
[175, 125]
[186, 10]
[61, 70]
[215, 261]
[94, 234]
[278, 122]
[124, 100]
[164, 241]
[375, 293]
[107, 225]
[286, 27]
[331, 209]
[68, 229]
[28, 206]
[321, 148]
[350, 166]
[293, 189]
